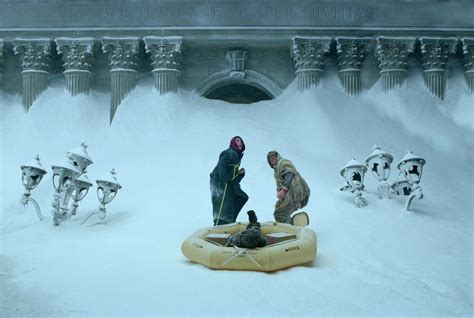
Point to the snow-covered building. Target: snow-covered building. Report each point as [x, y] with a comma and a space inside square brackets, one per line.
[238, 51]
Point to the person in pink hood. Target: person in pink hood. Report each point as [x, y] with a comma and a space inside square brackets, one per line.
[226, 195]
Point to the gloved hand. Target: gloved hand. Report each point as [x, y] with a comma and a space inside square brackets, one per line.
[240, 175]
[282, 193]
[252, 216]
[304, 202]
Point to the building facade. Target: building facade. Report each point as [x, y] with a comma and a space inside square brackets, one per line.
[239, 51]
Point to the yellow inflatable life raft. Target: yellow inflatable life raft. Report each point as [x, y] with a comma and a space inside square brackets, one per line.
[287, 246]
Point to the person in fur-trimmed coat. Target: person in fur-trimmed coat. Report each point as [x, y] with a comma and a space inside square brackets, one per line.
[226, 195]
[292, 190]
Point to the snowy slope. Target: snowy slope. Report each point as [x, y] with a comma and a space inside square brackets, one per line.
[378, 260]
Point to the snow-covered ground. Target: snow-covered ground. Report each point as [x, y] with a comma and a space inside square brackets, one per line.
[377, 260]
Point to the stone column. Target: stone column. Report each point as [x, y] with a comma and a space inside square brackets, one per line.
[76, 54]
[123, 61]
[392, 55]
[435, 56]
[351, 53]
[1, 61]
[34, 62]
[165, 55]
[308, 55]
[468, 51]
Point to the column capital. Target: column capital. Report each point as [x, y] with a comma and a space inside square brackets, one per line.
[76, 55]
[173, 41]
[123, 61]
[392, 52]
[308, 52]
[435, 56]
[33, 53]
[352, 51]
[35, 63]
[165, 51]
[76, 52]
[122, 51]
[392, 55]
[436, 52]
[165, 55]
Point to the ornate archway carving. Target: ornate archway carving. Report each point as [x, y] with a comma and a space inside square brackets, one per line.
[247, 77]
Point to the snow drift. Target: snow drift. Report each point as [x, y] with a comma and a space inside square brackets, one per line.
[371, 261]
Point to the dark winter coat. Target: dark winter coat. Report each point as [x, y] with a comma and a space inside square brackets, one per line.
[226, 194]
[251, 237]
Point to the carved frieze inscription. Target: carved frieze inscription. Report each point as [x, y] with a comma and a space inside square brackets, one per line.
[238, 14]
[54, 14]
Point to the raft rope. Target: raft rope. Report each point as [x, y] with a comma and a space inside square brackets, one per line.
[222, 204]
[234, 175]
[235, 172]
[240, 252]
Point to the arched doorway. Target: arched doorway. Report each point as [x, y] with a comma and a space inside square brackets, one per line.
[248, 87]
[238, 93]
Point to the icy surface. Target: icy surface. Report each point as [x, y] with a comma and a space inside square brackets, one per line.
[377, 260]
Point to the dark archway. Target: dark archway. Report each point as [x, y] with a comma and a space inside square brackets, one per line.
[238, 93]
